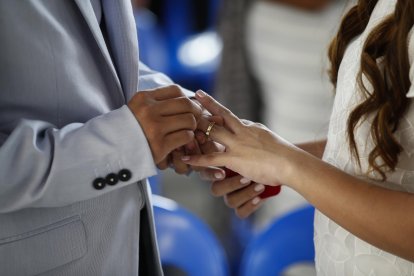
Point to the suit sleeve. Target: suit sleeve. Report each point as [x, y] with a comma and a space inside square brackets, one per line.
[149, 79]
[42, 166]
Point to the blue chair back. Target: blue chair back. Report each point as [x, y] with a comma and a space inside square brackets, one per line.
[162, 45]
[185, 242]
[287, 241]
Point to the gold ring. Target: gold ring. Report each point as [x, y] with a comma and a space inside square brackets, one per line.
[209, 128]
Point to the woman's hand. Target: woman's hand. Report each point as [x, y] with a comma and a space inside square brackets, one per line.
[240, 194]
[252, 150]
[369, 211]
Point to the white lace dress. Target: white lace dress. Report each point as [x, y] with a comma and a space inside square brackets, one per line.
[339, 252]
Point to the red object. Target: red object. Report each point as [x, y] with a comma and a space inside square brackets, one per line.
[269, 190]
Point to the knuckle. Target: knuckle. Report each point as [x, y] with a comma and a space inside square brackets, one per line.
[187, 103]
[145, 113]
[176, 89]
[141, 96]
[182, 137]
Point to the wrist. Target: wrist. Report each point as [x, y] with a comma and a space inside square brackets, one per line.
[295, 162]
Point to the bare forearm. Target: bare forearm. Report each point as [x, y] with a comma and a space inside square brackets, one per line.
[312, 5]
[370, 212]
[316, 148]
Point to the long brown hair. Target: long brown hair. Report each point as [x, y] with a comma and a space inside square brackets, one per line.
[385, 64]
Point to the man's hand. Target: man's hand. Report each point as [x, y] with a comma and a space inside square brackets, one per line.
[167, 117]
[174, 161]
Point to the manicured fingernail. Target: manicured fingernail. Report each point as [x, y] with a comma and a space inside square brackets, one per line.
[201, 93]
[256, 200]
[259, 187]
[218, 175]
[185, 158]
[245, 181]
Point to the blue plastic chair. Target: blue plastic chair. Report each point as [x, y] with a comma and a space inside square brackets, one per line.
[286, 242]
[194, 57]
[185, 242]
[176, 49]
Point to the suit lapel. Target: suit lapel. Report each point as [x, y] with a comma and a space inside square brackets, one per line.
[122, 37]
[86, 9]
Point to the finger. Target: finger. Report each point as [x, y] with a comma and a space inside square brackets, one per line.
[246, 122]
[229, 185]
[179, 106]
[216, 133]
[174, 123]
[212, 174]
[180, 166]
[167, 92]
[249, 207]
[215, 108]
[207, 146]
[177, 139]
[163, 164]
[217, 119]
[200, 137]
[193, 148]
[211, 146]
[215, 159]
[242, 196]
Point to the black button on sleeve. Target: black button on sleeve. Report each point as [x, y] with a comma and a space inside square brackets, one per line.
[111, 179]
[99, 183]
[124, 175]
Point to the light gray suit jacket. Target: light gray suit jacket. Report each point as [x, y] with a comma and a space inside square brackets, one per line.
[64, 124]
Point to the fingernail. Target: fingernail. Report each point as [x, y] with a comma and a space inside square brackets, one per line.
[245, 181]
[185, 158]
[201, 93]
[256, 200]
[218, 175]
[259, 187]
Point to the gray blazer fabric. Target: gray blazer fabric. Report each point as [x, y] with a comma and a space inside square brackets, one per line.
[63, 123]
